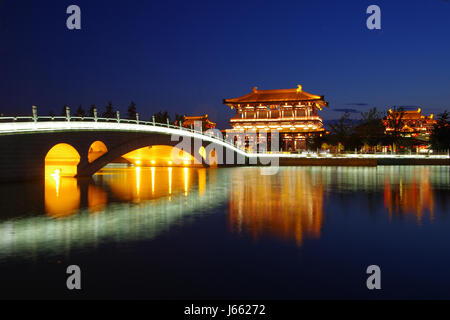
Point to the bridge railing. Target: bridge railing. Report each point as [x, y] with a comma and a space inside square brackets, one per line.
[117, 119]
[69, 118]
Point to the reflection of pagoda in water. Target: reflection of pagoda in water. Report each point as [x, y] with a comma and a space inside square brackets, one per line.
[414, 197]
[290, 208]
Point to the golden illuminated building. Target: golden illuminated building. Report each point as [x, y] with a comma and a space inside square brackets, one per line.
[189, 122]
[413, 123]
[293, 112]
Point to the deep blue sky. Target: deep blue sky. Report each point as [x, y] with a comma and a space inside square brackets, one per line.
[186, 56]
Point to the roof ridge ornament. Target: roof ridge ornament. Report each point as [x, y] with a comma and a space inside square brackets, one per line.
[255, 89]
[299, 88]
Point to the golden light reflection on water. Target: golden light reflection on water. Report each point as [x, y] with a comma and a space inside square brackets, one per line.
[411, 197]
[62, 196]
[97, 199]
[142, 183]
[291, 206]
[287, 206]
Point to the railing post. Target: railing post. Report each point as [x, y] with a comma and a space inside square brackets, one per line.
[67, 113]
[118, 116]
[95, 115]
[154, 120]
[35, 116]
[137, 118]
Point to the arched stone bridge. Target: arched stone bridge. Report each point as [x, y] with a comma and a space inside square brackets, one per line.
[25, 144]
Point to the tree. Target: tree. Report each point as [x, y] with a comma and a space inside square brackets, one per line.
[178, 119]
[162, 117]
[370, 129]
[342, 132]
[132, 111]
[80, 111]
[440, 137]
[109, 112]
[395, 122]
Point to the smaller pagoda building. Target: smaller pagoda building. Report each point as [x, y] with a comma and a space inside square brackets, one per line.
[410, 123]
[189, 121]
[292, 112]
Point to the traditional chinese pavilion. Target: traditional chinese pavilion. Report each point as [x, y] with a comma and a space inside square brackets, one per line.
[293, 112]
[206, 123]
[413, 123]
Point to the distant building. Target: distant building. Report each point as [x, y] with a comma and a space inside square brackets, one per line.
[411, 123]
[206, 124]
[293, 112]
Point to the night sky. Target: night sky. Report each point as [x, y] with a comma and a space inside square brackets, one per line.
[186, 56]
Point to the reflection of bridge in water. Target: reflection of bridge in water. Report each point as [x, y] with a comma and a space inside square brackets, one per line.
[68, 227]
[131, 204]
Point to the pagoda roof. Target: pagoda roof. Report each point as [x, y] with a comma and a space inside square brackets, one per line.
[412, 114]
[191, 119]
[275, 97]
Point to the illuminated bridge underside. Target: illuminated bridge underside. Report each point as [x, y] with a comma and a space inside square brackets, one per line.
[25, 146]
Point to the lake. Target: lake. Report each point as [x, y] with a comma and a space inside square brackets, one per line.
[229, 233]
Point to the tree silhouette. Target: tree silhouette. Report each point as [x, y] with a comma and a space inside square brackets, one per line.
[131, 113]
[370, 129]
[343, 128]
[80, 111]
[178, 119]
[395, 122]
[440, 137]
[109, 112]
[162, 117]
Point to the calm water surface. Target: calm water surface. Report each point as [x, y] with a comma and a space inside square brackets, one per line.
[307, 232]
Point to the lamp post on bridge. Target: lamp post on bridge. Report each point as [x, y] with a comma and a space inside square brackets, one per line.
[67, 113]
[35, 116]
[95, 115]
[118, 116]
[137, 118]
[154, 120]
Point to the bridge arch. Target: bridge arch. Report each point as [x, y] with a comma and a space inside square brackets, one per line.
[159, 155]
[96, 150]
[62, 160]
[133, 147]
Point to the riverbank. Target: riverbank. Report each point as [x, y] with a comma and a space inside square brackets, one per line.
[363, 162]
